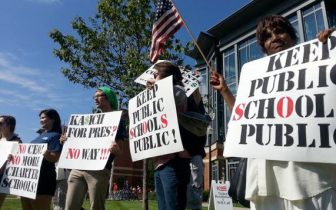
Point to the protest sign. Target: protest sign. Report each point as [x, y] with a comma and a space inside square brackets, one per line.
[190, 78]
[285, 106]
[148, 74]
[6, 148]
[219, 197]
[23, 171]
[89, 137]
[153, 126]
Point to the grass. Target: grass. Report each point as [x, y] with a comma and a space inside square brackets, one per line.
[14, 204]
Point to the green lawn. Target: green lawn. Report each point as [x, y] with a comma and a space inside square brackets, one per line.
[14, 204]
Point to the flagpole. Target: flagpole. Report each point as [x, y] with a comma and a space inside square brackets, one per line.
[192, 36]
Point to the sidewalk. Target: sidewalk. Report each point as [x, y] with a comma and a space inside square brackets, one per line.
[204, 204]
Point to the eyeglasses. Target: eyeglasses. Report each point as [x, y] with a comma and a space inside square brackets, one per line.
[98, 96]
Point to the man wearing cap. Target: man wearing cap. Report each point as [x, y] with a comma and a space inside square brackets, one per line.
[95, 182]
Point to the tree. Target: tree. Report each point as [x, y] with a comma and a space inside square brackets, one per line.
[113, 48]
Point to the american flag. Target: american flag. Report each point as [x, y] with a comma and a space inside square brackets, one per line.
[167, 22]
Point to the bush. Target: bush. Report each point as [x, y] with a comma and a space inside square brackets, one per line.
[206, 194]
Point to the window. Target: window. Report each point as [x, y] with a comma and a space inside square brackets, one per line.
[312, 21]
[214, 167]
[295, 23]
[331, 12]
[203, 82]
[248, 50]
[230, 75]
[232, 166]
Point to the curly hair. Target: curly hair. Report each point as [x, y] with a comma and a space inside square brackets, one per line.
[273, 22]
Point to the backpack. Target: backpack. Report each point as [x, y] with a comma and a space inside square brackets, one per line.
[193, 126]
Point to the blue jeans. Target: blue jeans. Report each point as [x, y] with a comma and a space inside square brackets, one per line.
[195, 186]
[171, 182]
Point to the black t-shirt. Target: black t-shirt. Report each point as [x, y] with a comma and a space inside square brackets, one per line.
[121, 135]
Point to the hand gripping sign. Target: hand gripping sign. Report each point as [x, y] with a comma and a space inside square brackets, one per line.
[23, 170]
[89, 137]
[285, 106]
[153, 126]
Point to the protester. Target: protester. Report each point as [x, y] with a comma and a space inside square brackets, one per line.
[283, 185]
[51, 127]
[95, 181]
[197, 153]
[58, 200]
[172, 171]
[7, 128]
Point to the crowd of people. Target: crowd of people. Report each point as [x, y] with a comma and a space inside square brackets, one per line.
[178, 177]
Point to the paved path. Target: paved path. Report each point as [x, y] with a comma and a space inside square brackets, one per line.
[234, 208]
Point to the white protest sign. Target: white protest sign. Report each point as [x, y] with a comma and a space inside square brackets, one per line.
[6, 148]
[89, 137]
[219, 197]
[153, 126]
[285, 106]
[23, 171]
[148, 74]
[190, 78]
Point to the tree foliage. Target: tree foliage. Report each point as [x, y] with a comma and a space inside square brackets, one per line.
[112, 48]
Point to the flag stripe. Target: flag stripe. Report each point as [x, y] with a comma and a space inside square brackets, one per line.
[167, 22]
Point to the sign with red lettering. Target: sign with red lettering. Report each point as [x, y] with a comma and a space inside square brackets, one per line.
[6, 148]
[89, 137]
[154, 129]
[285, 106]
[219, 198]
[23, 170]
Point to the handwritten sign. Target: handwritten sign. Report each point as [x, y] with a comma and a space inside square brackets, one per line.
[285, 106]
[89, 137]
[23, 171]
[190, 78]
[154, 129]
[219, 197]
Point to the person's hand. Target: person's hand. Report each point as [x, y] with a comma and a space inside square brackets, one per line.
[324, 35]
[150, 83]
[10, 157]
[217, 81]
[63, 139]
[47, 155]
[114, 149]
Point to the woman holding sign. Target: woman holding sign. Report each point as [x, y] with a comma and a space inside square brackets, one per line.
[172, 171]
[7, 127]
[51, 132]
[283, 185]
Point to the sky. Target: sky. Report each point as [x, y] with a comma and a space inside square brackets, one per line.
[30, 75]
